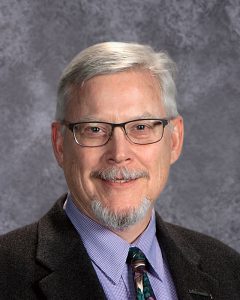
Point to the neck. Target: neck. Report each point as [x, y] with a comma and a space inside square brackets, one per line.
[131, 233]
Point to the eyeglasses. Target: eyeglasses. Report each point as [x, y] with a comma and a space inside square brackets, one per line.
[96, 134]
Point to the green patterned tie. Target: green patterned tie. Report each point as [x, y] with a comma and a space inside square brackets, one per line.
[138, 262]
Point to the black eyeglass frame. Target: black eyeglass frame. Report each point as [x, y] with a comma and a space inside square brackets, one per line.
[71, 126]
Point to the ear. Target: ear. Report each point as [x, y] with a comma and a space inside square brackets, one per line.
[177, 135]
[57, 142]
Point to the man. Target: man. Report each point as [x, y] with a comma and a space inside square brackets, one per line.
[117, 131]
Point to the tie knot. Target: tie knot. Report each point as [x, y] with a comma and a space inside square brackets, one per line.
[137, 259]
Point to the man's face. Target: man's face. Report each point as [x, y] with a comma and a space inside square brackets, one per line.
[117, 98]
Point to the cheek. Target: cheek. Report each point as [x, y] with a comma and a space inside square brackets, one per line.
[161, 172]
[160, 164]
[72, 172]
[158, 181]
[78, 164]
[72, 163]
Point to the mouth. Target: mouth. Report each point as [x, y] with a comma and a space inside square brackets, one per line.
[117, 182]
[119, 177]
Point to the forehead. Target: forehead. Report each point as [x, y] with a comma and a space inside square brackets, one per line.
[118, 97]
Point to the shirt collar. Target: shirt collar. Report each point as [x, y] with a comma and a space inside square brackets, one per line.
[104, 246]
[148, 243]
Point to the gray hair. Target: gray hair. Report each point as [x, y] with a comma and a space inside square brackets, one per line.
[113, 57]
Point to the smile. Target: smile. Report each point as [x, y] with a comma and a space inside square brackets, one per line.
[119, 182]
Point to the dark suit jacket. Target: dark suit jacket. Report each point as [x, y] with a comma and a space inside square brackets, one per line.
[47, 260]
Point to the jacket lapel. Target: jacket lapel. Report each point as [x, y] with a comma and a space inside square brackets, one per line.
[185, 265]
[69, 271]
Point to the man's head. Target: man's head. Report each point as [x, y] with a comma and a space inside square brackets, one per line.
[116, 172]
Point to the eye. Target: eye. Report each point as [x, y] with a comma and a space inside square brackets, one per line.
[93, 129]
[141, 127]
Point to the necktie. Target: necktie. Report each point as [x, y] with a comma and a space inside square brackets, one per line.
[138, 262]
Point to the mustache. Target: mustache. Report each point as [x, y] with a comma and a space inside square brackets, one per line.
[116, 173]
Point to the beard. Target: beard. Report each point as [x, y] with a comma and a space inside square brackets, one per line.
[119, 221]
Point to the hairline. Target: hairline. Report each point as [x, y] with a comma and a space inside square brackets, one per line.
[93, 61]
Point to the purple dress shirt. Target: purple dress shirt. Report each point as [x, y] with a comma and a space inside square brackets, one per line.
[108, 253]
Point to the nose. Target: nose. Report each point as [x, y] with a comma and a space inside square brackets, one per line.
[118, 147]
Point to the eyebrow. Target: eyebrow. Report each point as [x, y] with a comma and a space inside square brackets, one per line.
[142, 116]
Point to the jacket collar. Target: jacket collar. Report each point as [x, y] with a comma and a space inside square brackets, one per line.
[185, 264]
[69, 272]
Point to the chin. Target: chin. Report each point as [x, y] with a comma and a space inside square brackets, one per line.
[120, 219]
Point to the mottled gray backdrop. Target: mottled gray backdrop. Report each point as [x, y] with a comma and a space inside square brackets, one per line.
[39, 37]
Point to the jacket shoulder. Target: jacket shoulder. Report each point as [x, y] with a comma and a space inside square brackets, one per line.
[215, 256]
[200, 241]
[18, 245]
[17, 257]
[18, 235]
